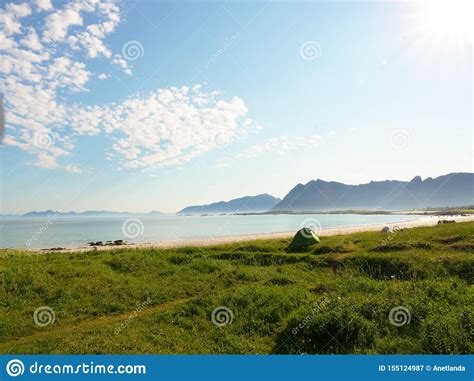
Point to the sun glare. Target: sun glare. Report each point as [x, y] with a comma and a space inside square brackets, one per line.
[449, 18]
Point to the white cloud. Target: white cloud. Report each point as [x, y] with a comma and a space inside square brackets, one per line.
[32, 40]
[35, 78]
[168, 127]
[19, 67]
[63, 72]
[93, 44]
[118, 60]
[57, 24]
[163, 128]
[280, 145]
[5, 42]
[5, 65]
[223, 162]
[18, 10]
[45, 160]
[9, 23]
[91, 38]
[44, 5]
[49, 161]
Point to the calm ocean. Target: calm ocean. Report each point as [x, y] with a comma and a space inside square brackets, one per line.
[70, 232]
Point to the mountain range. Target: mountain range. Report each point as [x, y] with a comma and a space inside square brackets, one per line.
[90, 213]
[454, 189]
[248, 204]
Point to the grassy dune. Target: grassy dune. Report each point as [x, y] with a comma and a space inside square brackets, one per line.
[334, 298]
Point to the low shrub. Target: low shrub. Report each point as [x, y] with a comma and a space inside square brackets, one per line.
[339, 330]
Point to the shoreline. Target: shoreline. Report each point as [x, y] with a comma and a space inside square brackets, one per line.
[200, 242]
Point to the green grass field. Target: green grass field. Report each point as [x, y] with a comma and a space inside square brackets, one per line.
[407, 292]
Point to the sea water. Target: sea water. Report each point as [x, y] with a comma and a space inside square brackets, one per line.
[78, 231]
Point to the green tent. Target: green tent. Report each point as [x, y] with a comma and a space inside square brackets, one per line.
[303, 238]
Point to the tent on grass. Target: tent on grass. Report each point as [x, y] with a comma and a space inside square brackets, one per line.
[303, 238]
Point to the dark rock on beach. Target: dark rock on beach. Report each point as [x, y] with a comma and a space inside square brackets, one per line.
[441, 222]
[117, 242]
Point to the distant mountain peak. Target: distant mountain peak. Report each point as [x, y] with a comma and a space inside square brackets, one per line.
[89, 213]
[247, 204]
[454, 189]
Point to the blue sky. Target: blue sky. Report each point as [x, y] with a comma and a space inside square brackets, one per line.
[146, 105]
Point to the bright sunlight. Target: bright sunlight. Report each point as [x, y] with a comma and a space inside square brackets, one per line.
[452, 19]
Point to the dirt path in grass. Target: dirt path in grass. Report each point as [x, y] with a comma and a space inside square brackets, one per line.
[103, 320]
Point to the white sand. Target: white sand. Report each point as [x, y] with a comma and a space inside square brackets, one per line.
[425, 221]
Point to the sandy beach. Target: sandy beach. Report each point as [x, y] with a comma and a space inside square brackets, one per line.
[426, 221]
